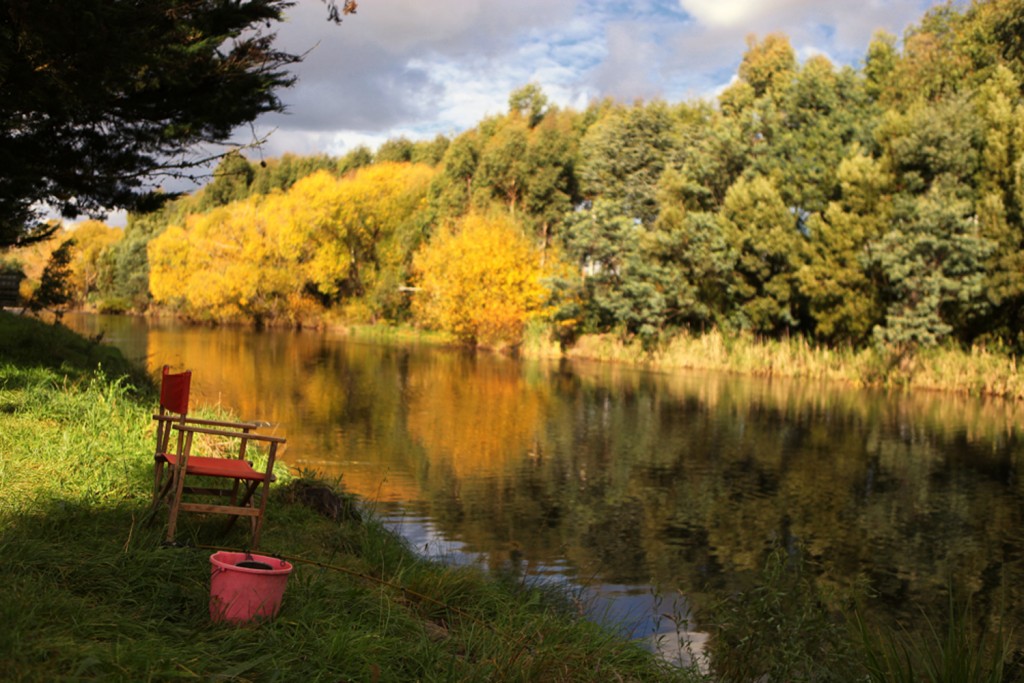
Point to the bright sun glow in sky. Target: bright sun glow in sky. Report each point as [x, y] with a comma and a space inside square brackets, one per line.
[417, 68]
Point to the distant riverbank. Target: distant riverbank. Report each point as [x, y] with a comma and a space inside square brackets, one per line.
[979, 372]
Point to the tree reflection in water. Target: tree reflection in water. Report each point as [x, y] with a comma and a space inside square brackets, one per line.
[618, 478]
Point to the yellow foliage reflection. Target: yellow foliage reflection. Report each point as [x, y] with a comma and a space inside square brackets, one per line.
[629, 475]
[477, 422]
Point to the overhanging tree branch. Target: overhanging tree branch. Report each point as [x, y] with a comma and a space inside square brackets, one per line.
[97, 97]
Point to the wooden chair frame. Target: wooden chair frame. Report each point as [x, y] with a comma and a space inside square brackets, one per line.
[172, 466]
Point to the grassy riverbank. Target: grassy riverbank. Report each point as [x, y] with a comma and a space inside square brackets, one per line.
[90, 593]
[979, 372]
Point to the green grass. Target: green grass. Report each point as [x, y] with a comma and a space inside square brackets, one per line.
[31, 343]
[786, 628]
[781, 629]
[91, 594]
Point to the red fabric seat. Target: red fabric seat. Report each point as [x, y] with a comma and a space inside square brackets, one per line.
[218, 467]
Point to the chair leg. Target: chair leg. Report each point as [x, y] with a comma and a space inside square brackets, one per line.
[234, 501]
[258, 519]
[172, 519]
[158, 476]
[157, 499]
[249, 488]
[234, 492]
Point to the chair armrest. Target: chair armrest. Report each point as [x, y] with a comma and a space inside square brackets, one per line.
[251, 436]
[211, 423]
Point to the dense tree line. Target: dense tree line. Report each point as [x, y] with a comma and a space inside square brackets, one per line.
[875, 205]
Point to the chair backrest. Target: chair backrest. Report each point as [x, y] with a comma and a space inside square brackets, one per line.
[174, 388]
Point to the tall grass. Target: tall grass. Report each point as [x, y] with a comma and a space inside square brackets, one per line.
[977, 372]
[713, 350]
[785, 628]
[781, 629]
[960, 651]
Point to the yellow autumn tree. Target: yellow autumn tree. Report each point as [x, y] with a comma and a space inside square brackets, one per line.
[168, 256]
[258, 258]
[222, 266]
[303, 221]
[352, 236]
[481, 281]
[351, 239]
[92, 239]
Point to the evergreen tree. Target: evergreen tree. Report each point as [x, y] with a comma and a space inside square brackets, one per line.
[530, 103]
[430, 151]
[395, 150]
[55, 292]
[710, 153]
[623, 155]
[762, 231]
[231, 181]
[838, 279]
[452, 189]
[623, 288]
[932, 261]
[97, 96]
[696, 258]
[768, 64]
[354, 159]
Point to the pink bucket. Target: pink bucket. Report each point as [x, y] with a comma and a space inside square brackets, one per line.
[244, 586]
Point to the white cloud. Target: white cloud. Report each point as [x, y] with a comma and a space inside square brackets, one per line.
[728, 13]
[406, 67]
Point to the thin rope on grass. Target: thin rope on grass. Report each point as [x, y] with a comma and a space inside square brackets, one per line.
[518, 641]
[381, 581]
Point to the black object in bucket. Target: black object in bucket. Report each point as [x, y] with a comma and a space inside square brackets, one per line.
[253, 564]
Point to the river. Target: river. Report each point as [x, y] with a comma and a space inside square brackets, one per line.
[646, 492]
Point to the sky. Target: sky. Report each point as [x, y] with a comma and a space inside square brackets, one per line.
[417, 68]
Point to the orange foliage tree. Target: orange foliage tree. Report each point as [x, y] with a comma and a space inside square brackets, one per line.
[91, 239]
[482, 281]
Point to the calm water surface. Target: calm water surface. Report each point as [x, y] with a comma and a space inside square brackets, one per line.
[631, 484]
